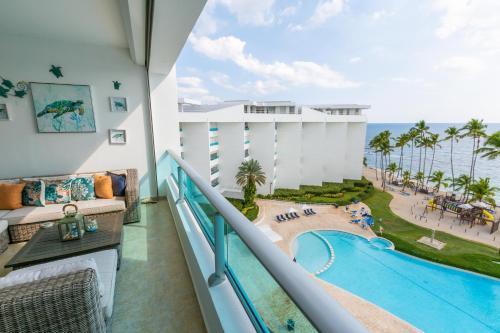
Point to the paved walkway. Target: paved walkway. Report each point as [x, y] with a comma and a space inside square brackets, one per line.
[412, 207]
[376, 319]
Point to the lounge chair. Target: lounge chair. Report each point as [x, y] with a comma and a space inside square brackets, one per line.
[279, 219]
[288, 216]
[306, 213]
[283, 217]
[312, 211]
[294, 215]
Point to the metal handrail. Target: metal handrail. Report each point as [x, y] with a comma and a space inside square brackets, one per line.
[322, 310]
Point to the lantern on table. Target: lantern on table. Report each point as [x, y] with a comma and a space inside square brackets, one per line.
[71, 225]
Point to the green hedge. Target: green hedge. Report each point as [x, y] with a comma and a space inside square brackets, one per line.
[250, 212]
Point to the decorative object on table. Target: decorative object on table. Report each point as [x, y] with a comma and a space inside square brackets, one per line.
[6, 87]
[290, 325]
[90, 224]
[118, 104]
[34, 193]
[56, 70]
[117, 137]
[63, 108]
[58, 190]
[4, 113]
[117, 84]
[71, 225]
[82, 188]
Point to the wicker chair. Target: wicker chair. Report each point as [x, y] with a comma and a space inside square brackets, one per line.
[66, 303]
[24, 232]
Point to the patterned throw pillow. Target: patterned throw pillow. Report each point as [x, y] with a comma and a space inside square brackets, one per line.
[82, 188]
[57, 191]
[34, 193]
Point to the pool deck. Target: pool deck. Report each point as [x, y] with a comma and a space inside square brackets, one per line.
[283, 234]
[412, 207]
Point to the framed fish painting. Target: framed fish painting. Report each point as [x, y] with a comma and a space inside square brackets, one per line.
[118, 104]
[117, 136]
[63, 108]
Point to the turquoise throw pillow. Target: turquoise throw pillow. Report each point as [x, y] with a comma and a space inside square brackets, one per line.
[33, 193]
[58, 191]
[82, 188]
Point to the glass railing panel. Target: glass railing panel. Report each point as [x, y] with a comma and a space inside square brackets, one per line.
[272, 308]
[201, 208]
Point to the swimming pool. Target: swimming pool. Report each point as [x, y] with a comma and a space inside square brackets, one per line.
[432, 297]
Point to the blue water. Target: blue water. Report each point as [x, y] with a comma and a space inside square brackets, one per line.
[462, 152]
[433, 298]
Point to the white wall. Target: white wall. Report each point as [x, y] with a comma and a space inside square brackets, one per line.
[289, 155]
[195, 143]
[355, 144]
[335, 151]
[231, 153]
[313, 156]
[261, 136]
[24, 152]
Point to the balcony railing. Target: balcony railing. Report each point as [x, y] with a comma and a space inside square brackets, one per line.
[275, 292]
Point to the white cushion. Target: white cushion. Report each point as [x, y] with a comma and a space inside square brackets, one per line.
[4, 212]
[31, 214]
[106, 262]
[3, 225]
[43, 272]
[101, 206]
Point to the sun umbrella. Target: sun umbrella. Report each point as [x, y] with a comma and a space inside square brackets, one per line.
[305, 207]
[465, 206]
[480, 204]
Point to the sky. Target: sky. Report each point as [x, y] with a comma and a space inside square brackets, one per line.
[437, 60]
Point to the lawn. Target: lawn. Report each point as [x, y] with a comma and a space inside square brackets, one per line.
[250, 212]
[458, 252]
[329, 193]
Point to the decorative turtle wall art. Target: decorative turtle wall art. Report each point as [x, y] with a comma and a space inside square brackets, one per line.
[7, 88]
[117, 85]
[56, 70]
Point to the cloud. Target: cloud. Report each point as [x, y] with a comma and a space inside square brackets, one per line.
[258, 87]
[381, 14]
[477, 22]
[250, 12]
[325, 9]
[468, 65]
[192, 87]
[296, 73]
[354, 60]
[290, 10]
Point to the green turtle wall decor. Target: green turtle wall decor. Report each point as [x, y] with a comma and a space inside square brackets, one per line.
[7, 88]
[56, 70]
[117, 85]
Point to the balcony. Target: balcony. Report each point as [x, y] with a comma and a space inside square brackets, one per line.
[245, 265]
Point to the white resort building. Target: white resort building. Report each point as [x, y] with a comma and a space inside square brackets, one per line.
[295, 144]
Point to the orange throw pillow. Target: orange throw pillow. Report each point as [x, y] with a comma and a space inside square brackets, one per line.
[103, 187]
[11, 196]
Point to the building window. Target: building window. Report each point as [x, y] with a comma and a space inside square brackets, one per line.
[215, 182]
[246, 153]
[214, 156]
[214, 170]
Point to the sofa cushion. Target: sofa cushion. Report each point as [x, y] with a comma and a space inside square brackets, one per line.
[4, 212]
[106, 262]
[82, 188]
[31, 214]
[103, 187]
[119, 183]
[101, 206]
[57, 191]
[34, 193]
[11, 196]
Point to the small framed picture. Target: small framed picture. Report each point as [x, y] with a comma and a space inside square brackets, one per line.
[118, 104]
[117, 137]
[4, 113]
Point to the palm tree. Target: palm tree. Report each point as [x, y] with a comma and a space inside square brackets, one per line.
[424, 142]
[452, 134]
[421, 128]
[419, 177]
[401, 142]
[392, 168]
[406, 179]
[462, 183]
[374, 145]
[438, 179]
[412, 134]
[482, 191]
[249, 174]
[434, 142]
[491, 147]
[385, 149]
[474, 129]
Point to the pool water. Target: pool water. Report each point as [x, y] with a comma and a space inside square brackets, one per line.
[432, 297]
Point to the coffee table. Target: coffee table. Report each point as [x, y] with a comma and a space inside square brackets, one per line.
[45, 245]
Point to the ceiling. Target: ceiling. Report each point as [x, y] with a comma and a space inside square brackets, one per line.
[81, 21]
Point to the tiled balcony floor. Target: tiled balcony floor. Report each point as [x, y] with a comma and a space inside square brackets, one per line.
[153, 292]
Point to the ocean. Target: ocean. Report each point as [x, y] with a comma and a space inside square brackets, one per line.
[462, 152]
